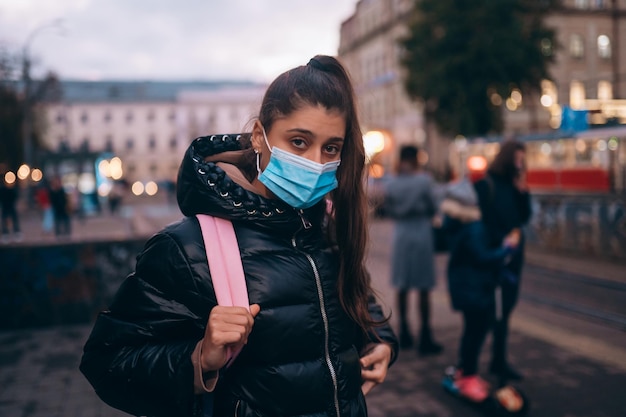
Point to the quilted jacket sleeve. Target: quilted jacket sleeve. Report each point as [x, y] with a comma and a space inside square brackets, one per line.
[138, 356]
[383, 332]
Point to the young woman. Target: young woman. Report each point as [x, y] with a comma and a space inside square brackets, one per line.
[505, 206]
[314, 341]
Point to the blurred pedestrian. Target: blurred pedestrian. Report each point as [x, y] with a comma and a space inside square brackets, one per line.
[60, 208]
[115, 196]
[76, 205]
[505, 206]
[409, 199]
[9, 195]
[42, 195]
[472, 275]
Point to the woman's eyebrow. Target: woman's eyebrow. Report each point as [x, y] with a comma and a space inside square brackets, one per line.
[310, 133]
[301, 130]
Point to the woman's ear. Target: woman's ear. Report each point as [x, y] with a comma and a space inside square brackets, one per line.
[257, 137]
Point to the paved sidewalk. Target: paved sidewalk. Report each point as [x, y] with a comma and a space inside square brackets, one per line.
[132, 221]
[568, 374]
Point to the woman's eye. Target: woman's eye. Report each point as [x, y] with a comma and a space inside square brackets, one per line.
[298, 143]
[332, 149]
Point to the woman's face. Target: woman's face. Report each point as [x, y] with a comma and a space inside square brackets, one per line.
[518, 159]
[312, 132]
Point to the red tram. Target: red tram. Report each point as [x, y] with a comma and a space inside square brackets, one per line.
[586, 162]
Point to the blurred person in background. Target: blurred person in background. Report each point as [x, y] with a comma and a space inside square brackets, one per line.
[60, 208]
[42, 196]
[472, 275]
[115, 196]
[504, 202]
[9, 194]
[410, 201]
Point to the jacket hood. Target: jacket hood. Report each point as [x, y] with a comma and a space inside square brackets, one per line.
[461, 202]
[211, 180]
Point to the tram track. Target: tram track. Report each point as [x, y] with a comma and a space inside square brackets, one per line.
[590, 298]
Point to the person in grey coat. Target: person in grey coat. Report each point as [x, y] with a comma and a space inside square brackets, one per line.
[410, 202]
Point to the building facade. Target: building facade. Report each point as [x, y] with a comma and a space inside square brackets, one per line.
[148, 125]
[589, 73]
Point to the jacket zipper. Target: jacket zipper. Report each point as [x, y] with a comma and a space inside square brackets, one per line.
[305, 222]
[320, 294]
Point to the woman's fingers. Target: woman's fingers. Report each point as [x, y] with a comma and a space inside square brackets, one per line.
[226, 327]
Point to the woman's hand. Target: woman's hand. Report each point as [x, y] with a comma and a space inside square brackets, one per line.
[374, 365]
[227, 328]
[512, 239]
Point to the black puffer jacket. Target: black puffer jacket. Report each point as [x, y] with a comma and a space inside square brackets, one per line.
[302, 357]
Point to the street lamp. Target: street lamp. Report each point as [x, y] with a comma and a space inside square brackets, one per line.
[27, 96]
[374, 142]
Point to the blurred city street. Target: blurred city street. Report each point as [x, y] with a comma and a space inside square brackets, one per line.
[526, 99]
[573, 359]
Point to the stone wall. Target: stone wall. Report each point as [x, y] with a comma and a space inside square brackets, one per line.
[61, 283]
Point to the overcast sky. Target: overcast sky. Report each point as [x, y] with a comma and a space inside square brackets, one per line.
[172, 39]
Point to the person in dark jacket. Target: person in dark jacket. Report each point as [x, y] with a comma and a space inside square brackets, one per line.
[472, 279]
[60, 209]
[314, 339]
[9, 194]
[505, 206]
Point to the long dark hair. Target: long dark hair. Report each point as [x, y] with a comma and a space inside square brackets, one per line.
[324, 81]
[503, 164]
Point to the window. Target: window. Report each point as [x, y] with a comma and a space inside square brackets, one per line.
[172, 115]
[64, 146]
[576, 46]
[173, 143]
[581, 4]
[108, 143]
[150, 115]
[130, 144]
[107, 116]
[84, 117]
[152, 143]
[604, 47]
[84, 146]
[60, 118]
[129, 117]
[599, 4]
[577, 95]
[605, 90]
[153, 169]
[211, 121]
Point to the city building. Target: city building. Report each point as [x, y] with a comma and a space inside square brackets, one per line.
[148, 125]
[589, 73]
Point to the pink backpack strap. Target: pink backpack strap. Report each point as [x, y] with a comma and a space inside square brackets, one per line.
[222, 252]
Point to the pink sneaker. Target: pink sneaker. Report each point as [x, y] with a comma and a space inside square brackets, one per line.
[473, 387]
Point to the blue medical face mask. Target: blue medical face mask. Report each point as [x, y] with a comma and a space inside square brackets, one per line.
[297, 181]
